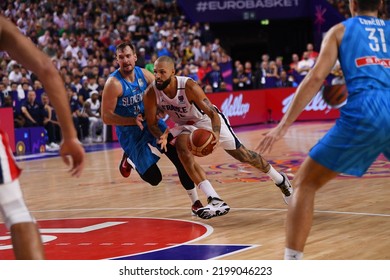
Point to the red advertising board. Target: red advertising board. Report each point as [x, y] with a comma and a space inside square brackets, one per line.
[7, 125]
[242, 107]
[259, 106]
[279, 99]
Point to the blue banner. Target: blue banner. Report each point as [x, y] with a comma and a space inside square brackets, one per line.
[239, 10]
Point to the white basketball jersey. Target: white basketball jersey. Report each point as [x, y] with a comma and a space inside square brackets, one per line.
[179, 109]
[94, 106]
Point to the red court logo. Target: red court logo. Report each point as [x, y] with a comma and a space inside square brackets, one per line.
[106, 238]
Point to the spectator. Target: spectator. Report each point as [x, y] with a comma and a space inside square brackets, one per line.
[64, 40]
[214, 77]
[80, 119]
[163, 47]
[203, 69]
[239, 78]
[39, 90]
[312, 53]
[132, 21]
[15, 75]
[304, 66]
[285, 81]
[51, 125]
[261, 75]
[92, 82]
[92, 110]
[44, 39]
[150, 66]
[197, 50]
[279, 64]
[294, 63]
[249, 73]
[32, 110]
[72, 49]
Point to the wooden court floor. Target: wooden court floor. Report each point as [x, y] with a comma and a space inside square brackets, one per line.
[351, 221]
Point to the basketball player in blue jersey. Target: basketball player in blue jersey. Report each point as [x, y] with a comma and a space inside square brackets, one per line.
[122, 106]
[25, 236]
[362, 133]
[187, 105]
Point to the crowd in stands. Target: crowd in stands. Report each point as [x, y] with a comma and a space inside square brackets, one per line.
[80, 37]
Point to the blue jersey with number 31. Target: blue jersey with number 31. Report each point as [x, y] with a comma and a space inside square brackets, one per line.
[364, 54]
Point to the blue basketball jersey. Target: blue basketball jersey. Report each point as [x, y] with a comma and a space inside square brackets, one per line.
[130, 103]
[364, 54]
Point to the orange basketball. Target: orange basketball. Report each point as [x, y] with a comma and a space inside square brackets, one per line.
[335, 96]
[199, 142]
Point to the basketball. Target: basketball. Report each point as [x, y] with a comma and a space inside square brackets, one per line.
[199, 142]
[335, 96]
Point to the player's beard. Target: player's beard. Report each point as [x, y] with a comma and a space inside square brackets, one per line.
[164, 84]
[126, 70]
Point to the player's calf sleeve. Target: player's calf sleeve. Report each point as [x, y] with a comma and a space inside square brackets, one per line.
[12, 205]
[185, 179]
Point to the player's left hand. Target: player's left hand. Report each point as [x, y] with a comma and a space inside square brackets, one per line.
[163, 141]
[138, 120]
[73, 154]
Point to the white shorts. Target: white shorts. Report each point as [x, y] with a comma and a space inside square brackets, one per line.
[227, 138]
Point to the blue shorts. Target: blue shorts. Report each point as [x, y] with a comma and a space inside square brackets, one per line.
[140, 145]
[359, 136]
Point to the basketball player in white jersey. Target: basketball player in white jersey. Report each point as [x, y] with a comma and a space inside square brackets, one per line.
[25, 237]
[187, 105]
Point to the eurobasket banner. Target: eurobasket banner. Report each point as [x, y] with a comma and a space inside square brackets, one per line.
[323, 14]
[238, 10]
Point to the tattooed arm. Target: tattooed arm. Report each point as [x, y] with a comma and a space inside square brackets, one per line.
[196, 95]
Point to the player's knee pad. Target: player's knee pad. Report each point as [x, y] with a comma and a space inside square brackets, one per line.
[12, 205]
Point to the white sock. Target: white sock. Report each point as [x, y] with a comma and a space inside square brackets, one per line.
[290, 254]
[275, 175]
[193, 195]
[208, 189]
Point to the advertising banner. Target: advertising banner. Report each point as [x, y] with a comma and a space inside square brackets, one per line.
[278, 101]
[266, 105]
[241, 107]
[238, 10]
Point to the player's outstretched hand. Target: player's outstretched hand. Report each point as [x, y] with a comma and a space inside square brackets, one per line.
[73, 154]
[270, 138]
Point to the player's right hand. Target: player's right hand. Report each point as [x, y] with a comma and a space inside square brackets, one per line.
[270, 138]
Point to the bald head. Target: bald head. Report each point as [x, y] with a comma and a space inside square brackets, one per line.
[167, 61]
